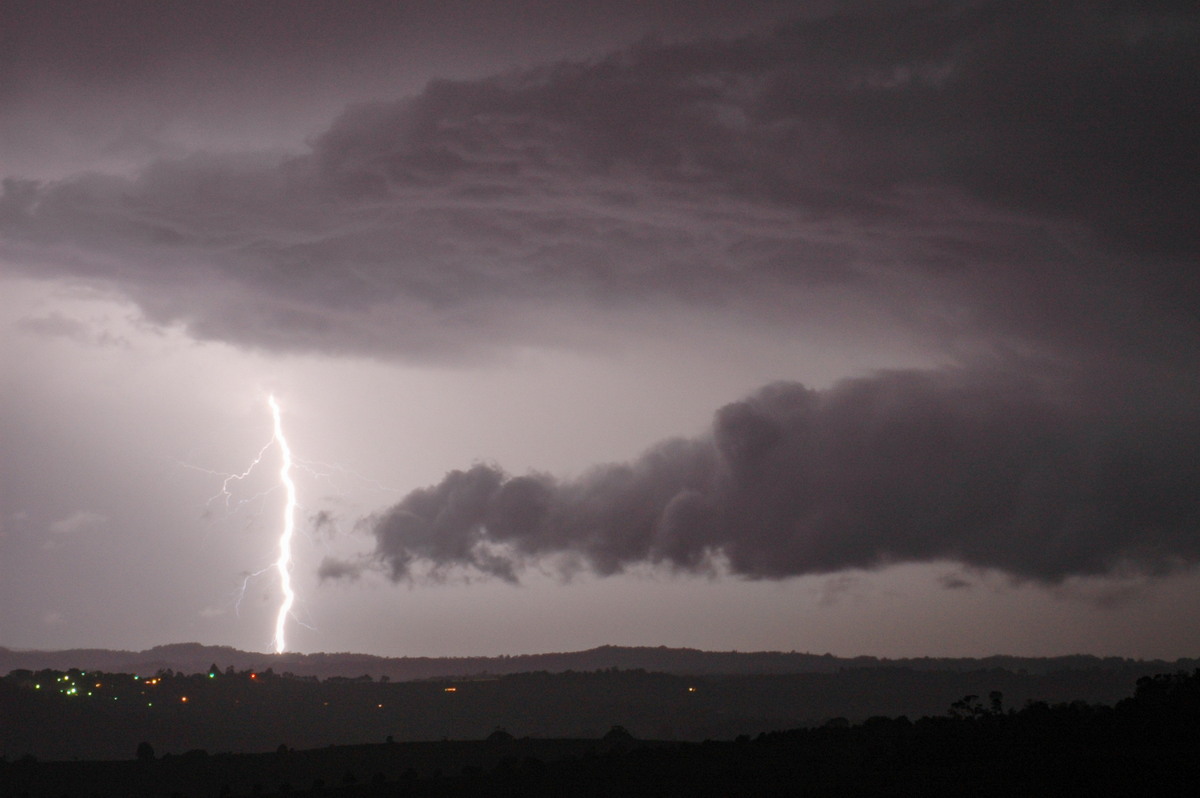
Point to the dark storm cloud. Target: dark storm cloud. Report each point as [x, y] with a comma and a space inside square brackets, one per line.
[1020, 173]
[1041, 479]
[1054, 107]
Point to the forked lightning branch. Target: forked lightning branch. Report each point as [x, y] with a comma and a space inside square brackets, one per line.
[283, 561]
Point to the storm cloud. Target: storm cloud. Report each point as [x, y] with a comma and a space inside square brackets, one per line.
[1020, 173]
[526, 240]
[1035, 478]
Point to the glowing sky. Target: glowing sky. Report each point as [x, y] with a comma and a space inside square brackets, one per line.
[867, 328]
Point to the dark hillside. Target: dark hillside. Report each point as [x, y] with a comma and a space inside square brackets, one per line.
[98, 715]
[1144, 745]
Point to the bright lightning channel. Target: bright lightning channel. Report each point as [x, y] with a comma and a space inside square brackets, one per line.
[284, 564]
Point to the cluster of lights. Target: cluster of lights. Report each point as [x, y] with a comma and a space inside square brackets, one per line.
[69, 685]
[66, 685]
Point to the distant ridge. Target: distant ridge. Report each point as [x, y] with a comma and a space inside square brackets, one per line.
[196, 658]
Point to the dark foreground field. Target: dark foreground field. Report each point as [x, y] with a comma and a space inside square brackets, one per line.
[90, 715]
[1148, 744]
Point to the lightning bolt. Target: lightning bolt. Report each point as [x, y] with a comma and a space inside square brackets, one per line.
[324, 472]
[284, 563]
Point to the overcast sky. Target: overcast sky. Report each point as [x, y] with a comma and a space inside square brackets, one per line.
[868, 328]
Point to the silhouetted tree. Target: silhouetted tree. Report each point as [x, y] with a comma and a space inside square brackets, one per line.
[145, 751]
[500, 735]
[618, 733]
[967, 707]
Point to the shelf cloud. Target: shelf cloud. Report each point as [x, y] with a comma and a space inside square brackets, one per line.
[1037, 479]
